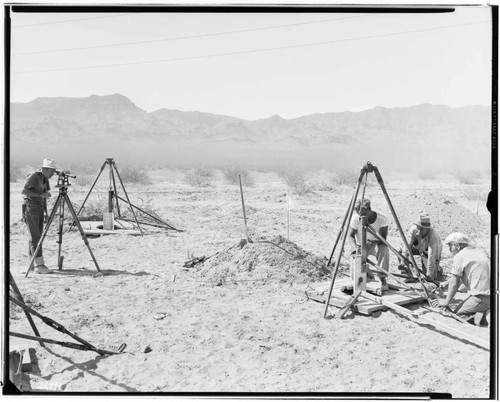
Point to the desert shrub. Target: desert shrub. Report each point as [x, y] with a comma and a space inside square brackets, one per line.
[346, 177]
[134, 174]
[473, 193]
[467, 176]
[84, 180]
[296, 180]
[80, 169]
[232, 174]
[200, 177]
[15, 172]
[93, 210]
[427, 174]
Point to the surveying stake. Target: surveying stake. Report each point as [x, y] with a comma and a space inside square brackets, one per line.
[16, 298]
[62, 199]
[113, 198]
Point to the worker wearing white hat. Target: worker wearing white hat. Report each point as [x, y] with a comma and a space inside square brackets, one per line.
[35, 193]
[471, 266]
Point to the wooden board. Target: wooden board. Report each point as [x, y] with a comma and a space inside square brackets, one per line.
[362, 305]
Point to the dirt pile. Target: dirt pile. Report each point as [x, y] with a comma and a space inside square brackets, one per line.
[263, 260]
[446, 214]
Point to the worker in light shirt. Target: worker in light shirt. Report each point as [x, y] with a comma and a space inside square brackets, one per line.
[471, 268]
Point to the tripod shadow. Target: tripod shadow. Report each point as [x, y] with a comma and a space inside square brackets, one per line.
[88, 367]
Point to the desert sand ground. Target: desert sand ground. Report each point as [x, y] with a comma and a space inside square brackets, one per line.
[237, 326]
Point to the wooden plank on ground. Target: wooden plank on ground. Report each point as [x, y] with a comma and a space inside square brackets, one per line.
[362, 305]
[422, 319]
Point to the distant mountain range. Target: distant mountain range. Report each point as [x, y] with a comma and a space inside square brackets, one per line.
[93, 128]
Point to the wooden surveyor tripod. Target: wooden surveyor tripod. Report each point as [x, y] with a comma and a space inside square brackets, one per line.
[361, 263]
[62, 200]
[113, 199]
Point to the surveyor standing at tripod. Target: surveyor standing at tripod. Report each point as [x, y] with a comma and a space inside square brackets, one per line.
[379, 223]
[471, 266]
[424, 241]
[35, 193]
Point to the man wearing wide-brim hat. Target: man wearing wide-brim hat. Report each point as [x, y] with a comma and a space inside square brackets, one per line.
[471, 267]
[425, 241]
[35, 193]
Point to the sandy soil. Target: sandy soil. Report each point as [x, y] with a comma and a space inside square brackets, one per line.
[244, 323]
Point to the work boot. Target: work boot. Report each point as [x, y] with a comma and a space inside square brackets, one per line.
[42, 270]
[383, 282]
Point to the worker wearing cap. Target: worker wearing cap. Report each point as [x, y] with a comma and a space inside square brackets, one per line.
[35, 193]
[471, 266]
[379, 223]
[424, 241]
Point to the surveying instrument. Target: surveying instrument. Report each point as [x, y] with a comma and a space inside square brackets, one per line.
[113, 202]
[59, 206]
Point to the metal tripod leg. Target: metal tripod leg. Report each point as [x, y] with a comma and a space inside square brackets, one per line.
[340, 231]
[44, 234]
[126, 195]
[91, 188]
[17, 292]
[114, 188]
[386, 195]
[344, 236]
[82, 233]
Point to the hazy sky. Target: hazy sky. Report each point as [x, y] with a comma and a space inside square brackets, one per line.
[254, 65]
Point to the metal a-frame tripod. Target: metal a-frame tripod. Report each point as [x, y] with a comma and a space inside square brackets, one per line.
[62, 200]
[362, 262]
[360, 268]
[113, 199]
[17, 299]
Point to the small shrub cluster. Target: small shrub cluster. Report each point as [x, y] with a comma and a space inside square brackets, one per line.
[296, 180]
[346, 177]
[134, 174]
[84, 180]
[467, 176]
[15, 173]
[427, 174]
[93, 210]
[200, 177]
[233, 173]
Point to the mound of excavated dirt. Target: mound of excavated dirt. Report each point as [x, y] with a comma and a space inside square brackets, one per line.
[264, 260]
[446, 214]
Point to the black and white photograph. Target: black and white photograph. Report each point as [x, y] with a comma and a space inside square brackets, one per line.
[251, 200]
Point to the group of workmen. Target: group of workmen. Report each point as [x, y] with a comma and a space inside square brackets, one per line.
[470, 271]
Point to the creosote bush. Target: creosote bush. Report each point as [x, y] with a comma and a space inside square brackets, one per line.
[296, 180]
[15, 173]
[232, 174]
[200, 177]
[346, 177]
[427, 174]
[467, 176]
[134, 174]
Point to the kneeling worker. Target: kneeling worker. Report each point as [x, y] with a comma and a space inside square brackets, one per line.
[424, 241]
[471, 266]
[35, 194]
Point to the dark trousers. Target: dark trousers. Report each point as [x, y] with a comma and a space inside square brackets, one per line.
[33, 216]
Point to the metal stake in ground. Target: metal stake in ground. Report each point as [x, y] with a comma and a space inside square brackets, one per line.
[244, 213]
